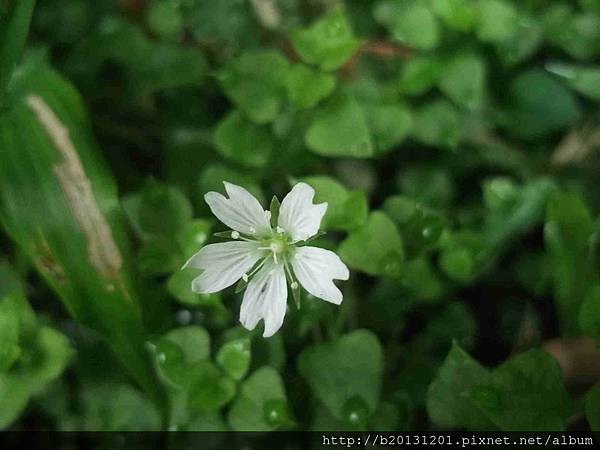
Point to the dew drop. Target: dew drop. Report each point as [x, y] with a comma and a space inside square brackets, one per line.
[276, 412]
[183, 317]
[356, 411]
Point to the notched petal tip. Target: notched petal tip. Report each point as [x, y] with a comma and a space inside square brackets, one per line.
[298, 214]
[212, 197]
[241, 211]
[344, 273]
[270, 333]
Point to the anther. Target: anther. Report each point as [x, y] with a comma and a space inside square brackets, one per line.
[235, 235]
[294, 285]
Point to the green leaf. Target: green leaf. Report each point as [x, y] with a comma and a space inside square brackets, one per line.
[179, 285]
[242, 141]
[170, 240]
[456, 14]
[497, 22]
[339, 129]
[194, 235]
[521, 210]
[164, 18]
[346, 210]
[577, 33]
[437, 124]
[256, 83]
[400, 208]
[500, 193]
[464, 80]
[210, 388]
[158, 211]
[411, 23]
[150, 65]
[261, 404]
[53, 353]
[589, 314]
[422, 229]
[42, 362]
[454, 322]
[540, 101]
[419, 74]
[366, 248]
[234, 358]
[567, 235]
[591, 5]
[77, 240]
[14, 28]
[583, 79]
[170, 66]
[159, 256]
[346, 374]
[524, 43]
[9, 334]
[109, 406]
[389, 125]
[222, 24]
[307, 87]
[429, 185]
[592, 407]
[193, 341]
[458, 264]
[526, 393]
[447, 403]
[329, 42]
[421, 280]
[15, 395]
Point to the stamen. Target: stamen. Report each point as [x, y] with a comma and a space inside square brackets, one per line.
[294, 285]
[289, 272]
[246, 277]
[280, 230]
[251, 230]
[235, 235]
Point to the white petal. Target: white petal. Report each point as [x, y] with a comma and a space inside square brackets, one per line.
[223, 264]
[316, 268]
[240, 212]
[298, 215]
[265, 298]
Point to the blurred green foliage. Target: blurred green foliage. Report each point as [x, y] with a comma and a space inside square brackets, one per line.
[455, 141]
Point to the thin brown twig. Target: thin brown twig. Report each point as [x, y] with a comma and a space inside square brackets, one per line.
[378, 49]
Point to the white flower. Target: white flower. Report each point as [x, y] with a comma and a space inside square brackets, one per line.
[269, 258]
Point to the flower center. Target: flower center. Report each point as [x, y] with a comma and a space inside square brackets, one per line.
[278, 246]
